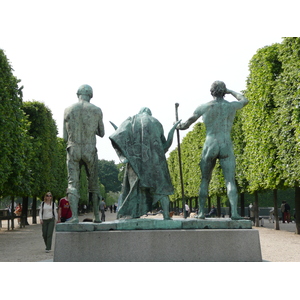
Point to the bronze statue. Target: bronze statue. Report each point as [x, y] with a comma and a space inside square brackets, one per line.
[82, 122]
[218, 116]
[140, 142]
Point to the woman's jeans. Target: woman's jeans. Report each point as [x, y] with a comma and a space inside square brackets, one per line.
[47, 229]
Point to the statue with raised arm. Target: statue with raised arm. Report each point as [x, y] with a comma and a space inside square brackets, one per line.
[82, 122]
[140, 142]
[218, 116]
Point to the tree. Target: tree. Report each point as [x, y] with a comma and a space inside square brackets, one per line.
[286, 128]
[44, 163]
[15, 150]
[260, 151]
[108, 174]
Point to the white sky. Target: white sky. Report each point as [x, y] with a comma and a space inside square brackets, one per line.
[136, 53]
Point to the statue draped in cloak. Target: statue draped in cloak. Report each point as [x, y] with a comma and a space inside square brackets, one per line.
[140, 142]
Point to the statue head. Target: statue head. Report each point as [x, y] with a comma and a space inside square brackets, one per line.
[145, 110]
[85, 90]
[218, 89]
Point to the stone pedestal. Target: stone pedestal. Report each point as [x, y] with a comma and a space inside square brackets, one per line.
[89, 242]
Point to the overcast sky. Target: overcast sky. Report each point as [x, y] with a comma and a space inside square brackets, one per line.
[136, 53]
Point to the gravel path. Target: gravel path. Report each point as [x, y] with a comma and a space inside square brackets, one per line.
[26, 244]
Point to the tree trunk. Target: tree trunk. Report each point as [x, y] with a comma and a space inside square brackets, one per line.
[276, 224]
[209, 203]
[297, 209]
[12, 213]
[24, 211]
[242, 205]
[256, 209]
[34, 210]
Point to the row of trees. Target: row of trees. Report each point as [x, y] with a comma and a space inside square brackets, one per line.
[32, 156]
[266, 133]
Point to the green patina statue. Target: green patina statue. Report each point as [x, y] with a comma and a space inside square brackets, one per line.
[140, 142]
[82, 122]
[218, 116]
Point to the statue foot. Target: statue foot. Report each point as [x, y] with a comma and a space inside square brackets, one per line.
[200, 216]
[168, 218]
[236, 217]
[73, 221]
[97, 221]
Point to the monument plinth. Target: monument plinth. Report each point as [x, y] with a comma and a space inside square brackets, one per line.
[158, 240]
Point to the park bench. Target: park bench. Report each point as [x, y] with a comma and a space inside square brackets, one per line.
[9, 219]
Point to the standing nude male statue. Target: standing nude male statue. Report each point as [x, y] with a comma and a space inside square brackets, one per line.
[218, 116]
[82, 122]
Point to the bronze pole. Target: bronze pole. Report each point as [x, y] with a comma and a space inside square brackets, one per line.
[179, 161]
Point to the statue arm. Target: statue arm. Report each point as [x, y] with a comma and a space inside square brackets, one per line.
[196, 115]
[101, 131]
[242, 100]
[65, 133]
[167, 144]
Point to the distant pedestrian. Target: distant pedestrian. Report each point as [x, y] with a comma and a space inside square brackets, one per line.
[18, 212]
[287, 214]
[212, 213]
[102, 210]
[282, 208]
[48, 219]
[187, 211]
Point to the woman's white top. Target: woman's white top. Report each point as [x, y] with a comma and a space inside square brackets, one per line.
[47, 214]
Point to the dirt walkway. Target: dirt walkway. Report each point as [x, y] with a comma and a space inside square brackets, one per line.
[26, 244]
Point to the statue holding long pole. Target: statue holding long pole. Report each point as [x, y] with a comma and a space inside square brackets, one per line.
[218, 116]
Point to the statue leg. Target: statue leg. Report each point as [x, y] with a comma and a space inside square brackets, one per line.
[203, 194]
[228, 167]
[73, 182]
[73, 198]
[165, 204]
[91, 164]
[233, 199]
[207, 165]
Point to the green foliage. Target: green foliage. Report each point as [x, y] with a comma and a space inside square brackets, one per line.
[60, 171]
[175, 174]
[111, 198]
[260, 152]
[15, 150]
[287, 100]
[191, 150]
[47, 153]
[108, 173]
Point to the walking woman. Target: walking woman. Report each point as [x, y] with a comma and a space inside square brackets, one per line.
[48, 219]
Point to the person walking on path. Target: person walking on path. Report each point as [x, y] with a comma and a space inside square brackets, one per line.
[102, 210]
[48, 218]
[187, 211]
[282, 208]
[64, 210]
[287, 215]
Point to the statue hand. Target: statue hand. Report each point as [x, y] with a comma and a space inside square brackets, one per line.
[177, 124]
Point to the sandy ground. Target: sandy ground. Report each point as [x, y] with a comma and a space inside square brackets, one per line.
[26, 244]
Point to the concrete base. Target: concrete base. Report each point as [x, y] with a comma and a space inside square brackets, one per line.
[192, 245]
